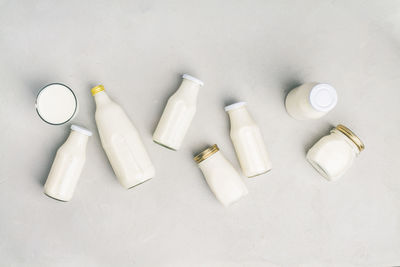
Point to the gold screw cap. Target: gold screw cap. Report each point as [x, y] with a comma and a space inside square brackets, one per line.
[206, 153]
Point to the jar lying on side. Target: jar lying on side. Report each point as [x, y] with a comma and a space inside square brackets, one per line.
[311, 101]
[333, 154]
[222, 178]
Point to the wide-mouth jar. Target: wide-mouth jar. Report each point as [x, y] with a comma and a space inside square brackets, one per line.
[333, 154]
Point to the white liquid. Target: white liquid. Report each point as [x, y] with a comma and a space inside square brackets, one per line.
[310, 101]
[122, 143]
[333, 155]
[56, 104]
[223, 179]
[248, 142]
[67, 165]
[178, 114]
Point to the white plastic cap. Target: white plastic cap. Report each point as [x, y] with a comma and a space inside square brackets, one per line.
[235, 106]
[193, 79]
[323, 97]
[81, 130]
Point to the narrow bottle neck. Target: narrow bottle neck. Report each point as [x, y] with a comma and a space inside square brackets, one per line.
[77, 139]
[101, 98]
[188, 90]
[240, 116]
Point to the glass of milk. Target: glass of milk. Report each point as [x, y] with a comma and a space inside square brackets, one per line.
[56, 104]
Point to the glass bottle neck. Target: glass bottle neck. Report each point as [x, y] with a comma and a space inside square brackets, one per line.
[101, 98]
[77, 139]
[240, 116]
[188, 90]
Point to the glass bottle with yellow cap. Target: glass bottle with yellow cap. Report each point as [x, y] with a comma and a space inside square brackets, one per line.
[222, 178]
[121, 141]
[333, 154]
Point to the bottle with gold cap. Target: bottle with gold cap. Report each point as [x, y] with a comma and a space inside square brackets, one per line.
[178, 114]
[222, 178]
[333, 154]
[121, 141]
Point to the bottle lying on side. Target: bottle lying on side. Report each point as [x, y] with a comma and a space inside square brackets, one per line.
[334, 153]
[222, 178]
[311, 101]
[121, 141]
[178, 114]
[248, 141]
[67, 165]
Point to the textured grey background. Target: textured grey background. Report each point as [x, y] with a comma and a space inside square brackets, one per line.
[246, 50]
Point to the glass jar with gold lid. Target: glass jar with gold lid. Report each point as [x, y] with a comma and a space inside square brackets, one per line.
[333, 154]
[222, 178]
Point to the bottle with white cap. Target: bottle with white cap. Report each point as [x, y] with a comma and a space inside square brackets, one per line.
[178, 114]
[121, 141]
[222, 178]
[248, 141]
[67, 165]
[311, 101]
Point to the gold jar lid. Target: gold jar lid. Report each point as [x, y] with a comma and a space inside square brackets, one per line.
[206, 153]
[352, 136]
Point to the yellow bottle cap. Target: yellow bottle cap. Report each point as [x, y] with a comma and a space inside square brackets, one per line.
[97, 89]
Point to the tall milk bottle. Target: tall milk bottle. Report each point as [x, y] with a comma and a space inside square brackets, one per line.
[121, 141]
[67, 165]
[247, 140]
[178, 114]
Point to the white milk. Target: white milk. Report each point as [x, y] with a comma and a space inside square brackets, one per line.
[121, 141]
[223, 180]
[333, 154]
[248, 141]
[311, 101]
[178, 114]
[56, 104]
[67, 165]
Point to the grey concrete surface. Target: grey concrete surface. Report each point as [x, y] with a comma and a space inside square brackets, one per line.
[253, 51]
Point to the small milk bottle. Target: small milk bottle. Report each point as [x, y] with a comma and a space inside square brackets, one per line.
[311, 101]
[67, 165]
[178, 114]
[223, 180]
[121, 141]
[248, 141]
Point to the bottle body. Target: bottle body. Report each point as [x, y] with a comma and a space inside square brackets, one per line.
[248, 141]
[310, 101]
[67, 167]
[122, 143]
[222, 178]
[333, 154]
[178, 114]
